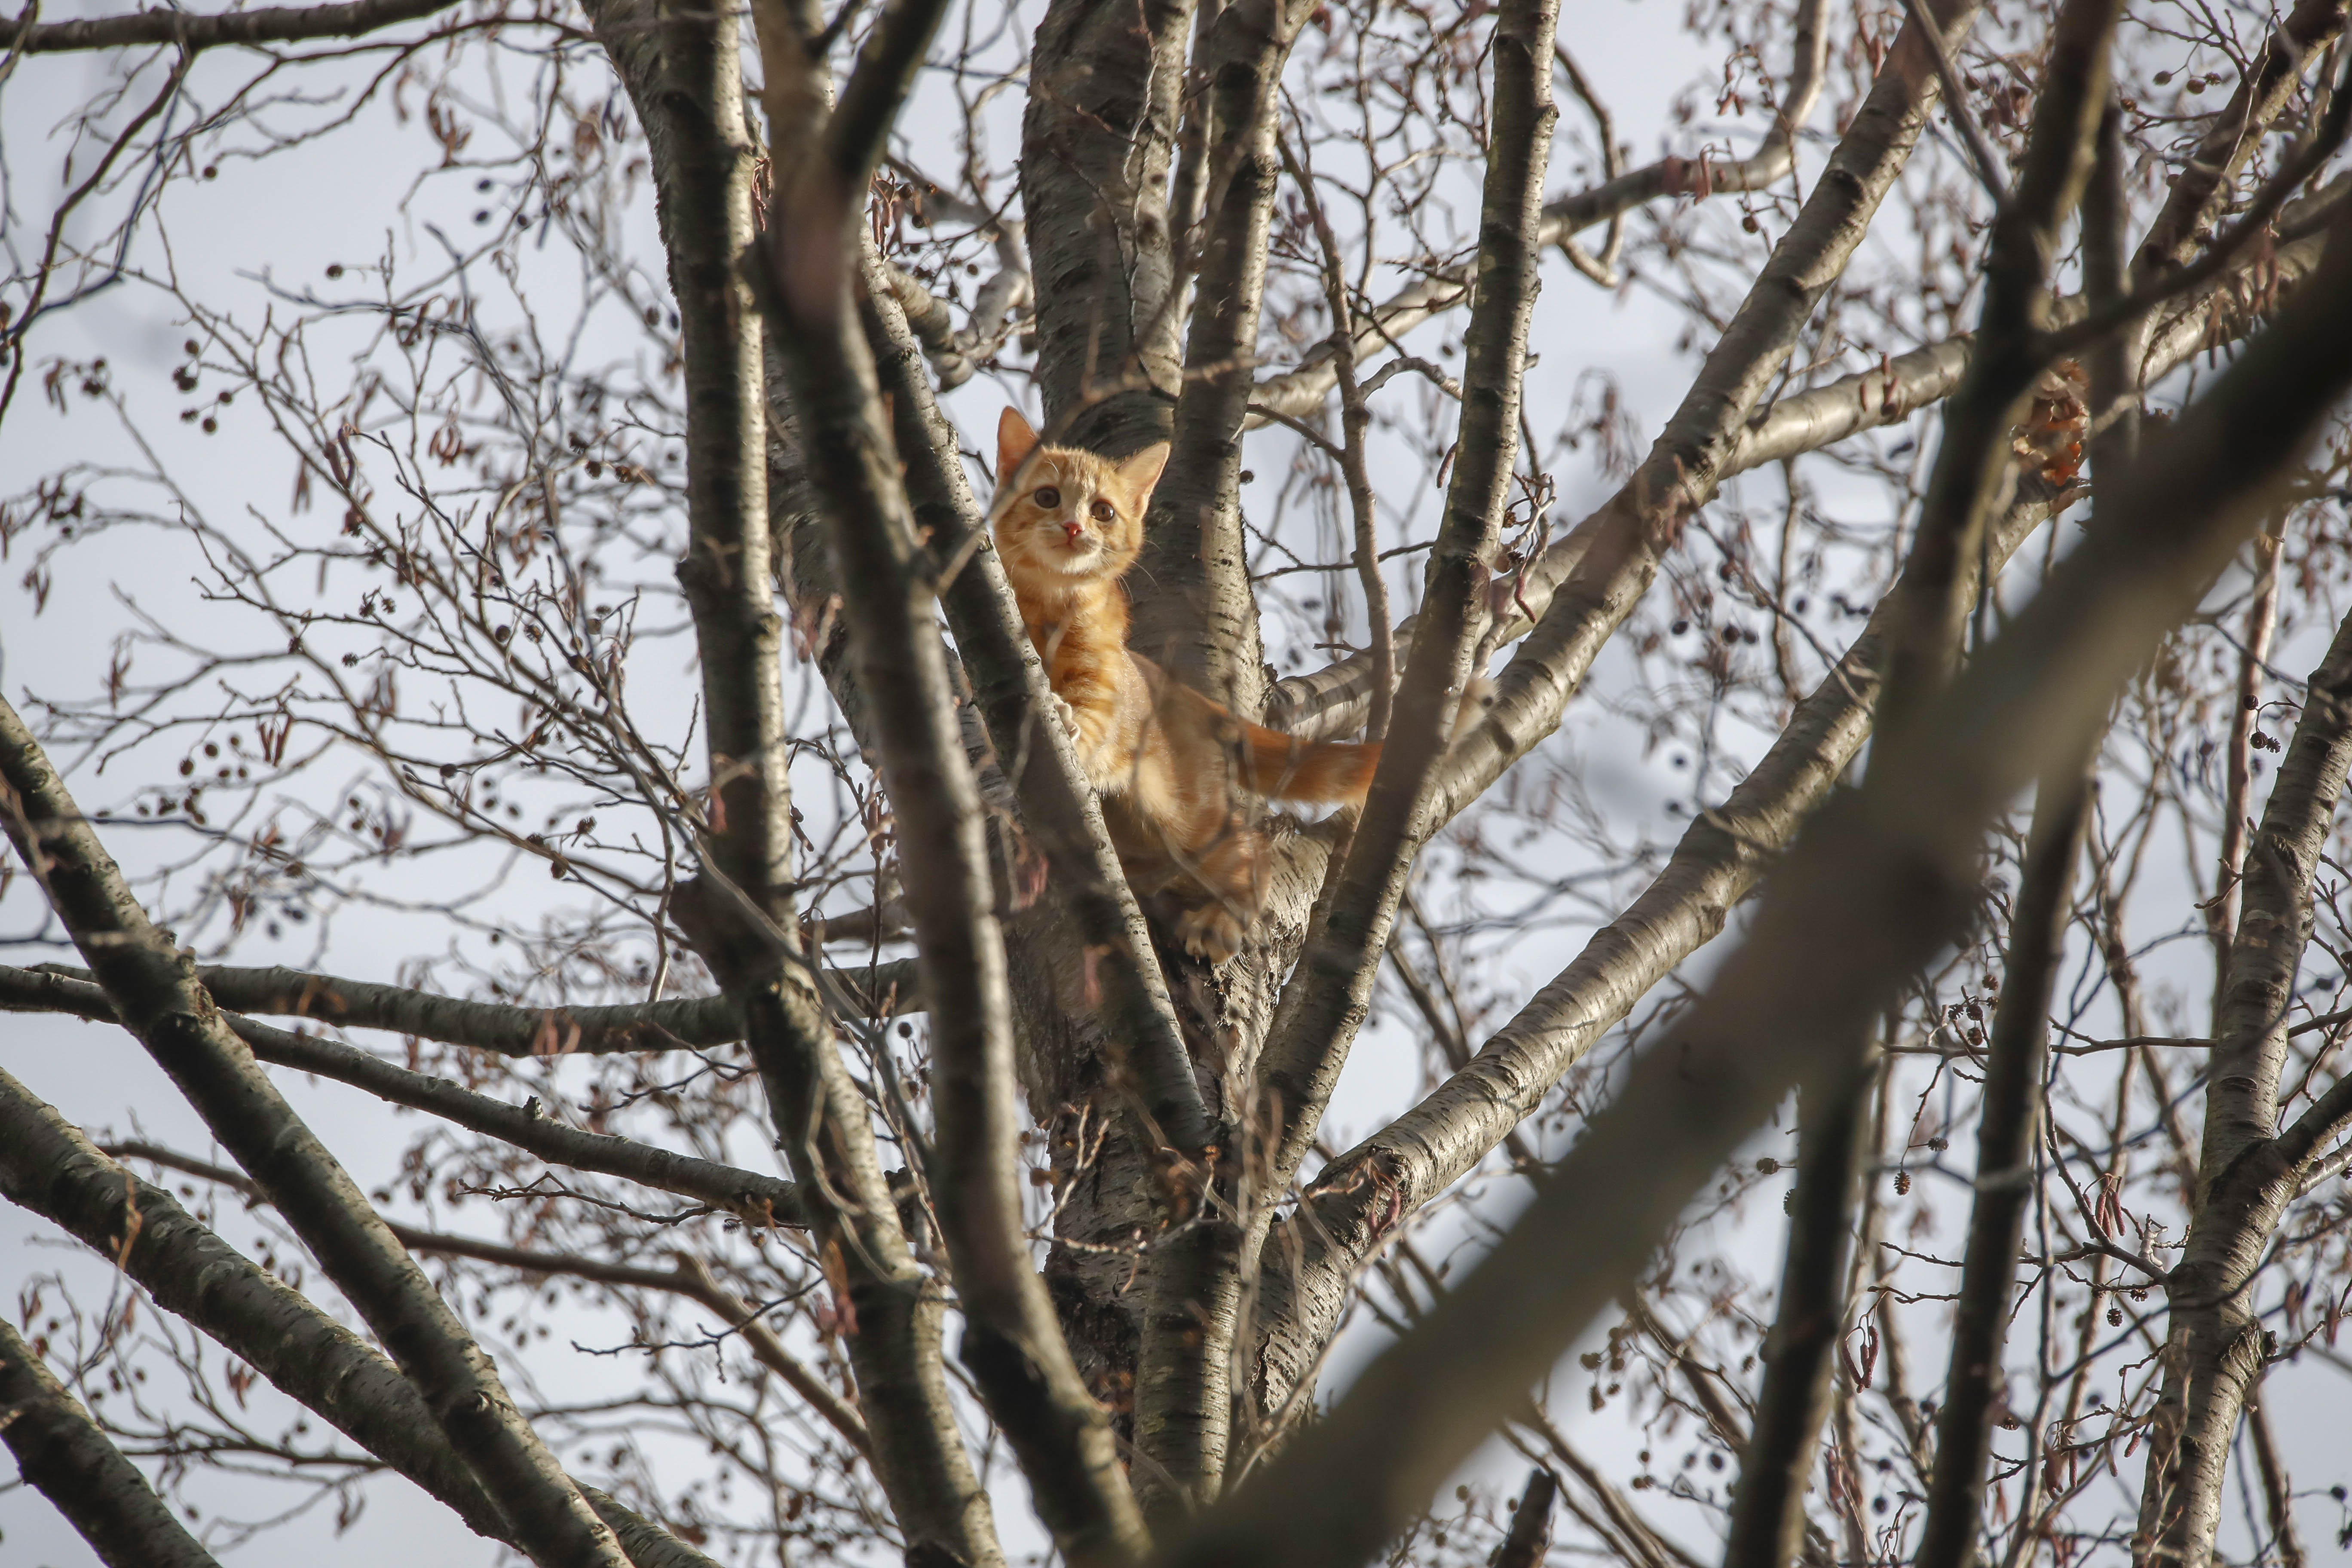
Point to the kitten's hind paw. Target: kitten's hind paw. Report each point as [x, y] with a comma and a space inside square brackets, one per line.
[1067, 714]
[1210, 933]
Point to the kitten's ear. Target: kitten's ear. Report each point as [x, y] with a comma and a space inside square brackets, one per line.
[1015, 441]
[1139, 474]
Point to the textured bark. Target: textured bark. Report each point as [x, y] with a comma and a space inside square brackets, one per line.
[1200, 620]
[757, 1199]
[1184, 1378]
[2247, 1172]
[1096, 141]
[956, 353]
[1974, 464]
[153, 987]
[647, 1543]
[1096, 1039]
[65, 1457]
[1582, 587]
[684, 78]
[1082, 1060]
[2196, 199]
[1929, 608]
[2201, 190]
[689, 1277]
[1874, 889]
[1530, 1532]
[1615, 553]
[1361, 1196]
[1184, 1394]
[2238, 762]
[1719, 863]
[2114, 383]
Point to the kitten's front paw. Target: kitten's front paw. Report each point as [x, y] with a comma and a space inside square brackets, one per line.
[1210, 933]
[1067, 714]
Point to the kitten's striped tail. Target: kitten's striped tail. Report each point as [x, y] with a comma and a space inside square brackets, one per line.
[1330, 772]
[1333, 771]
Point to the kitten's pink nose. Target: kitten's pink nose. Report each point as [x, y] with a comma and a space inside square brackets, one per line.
[1074, 530]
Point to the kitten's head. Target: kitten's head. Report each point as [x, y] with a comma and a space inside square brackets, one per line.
[1064, 515]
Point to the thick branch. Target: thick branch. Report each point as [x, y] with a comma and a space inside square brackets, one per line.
[1201, 623]
[758, 1200]
[154, 989]
[1927, 609]
[1931, 603]
[1722, 856]
[1973, 456]
[270, 24]
[888, 989]
[1617, 549]
[2196, 196]
[2238, 760]
[2245, 1175]
[63, 1453]
[1530, 1532]
[2113, 409]
[688, 1277]
[51, 1170]
[1327, 996]
[1582, 588]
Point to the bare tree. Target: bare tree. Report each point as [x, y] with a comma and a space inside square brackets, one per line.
[901, 1185]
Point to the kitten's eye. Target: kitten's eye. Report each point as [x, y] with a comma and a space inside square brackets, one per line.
[1049, 497]
[1103, 512]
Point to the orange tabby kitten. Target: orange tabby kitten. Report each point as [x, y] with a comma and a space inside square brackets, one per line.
[1069, 524]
